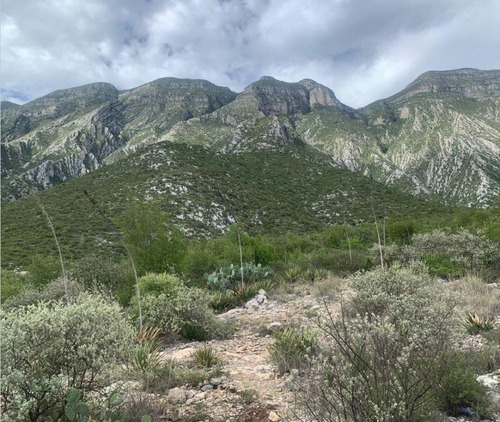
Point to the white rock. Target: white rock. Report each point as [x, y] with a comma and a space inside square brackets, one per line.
[273, 417]
[492, 381]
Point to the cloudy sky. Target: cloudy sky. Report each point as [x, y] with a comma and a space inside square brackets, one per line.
[362, 49]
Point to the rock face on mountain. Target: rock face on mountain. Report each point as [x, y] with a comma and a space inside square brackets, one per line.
[263, 116]
[72, 132]
[320, 95]
[276, 97]
[440, 136]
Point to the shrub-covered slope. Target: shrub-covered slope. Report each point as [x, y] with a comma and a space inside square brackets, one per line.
[291, 188]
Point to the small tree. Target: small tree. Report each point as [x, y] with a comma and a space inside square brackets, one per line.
[154, 243]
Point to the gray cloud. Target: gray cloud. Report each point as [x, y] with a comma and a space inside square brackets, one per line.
[363, 50]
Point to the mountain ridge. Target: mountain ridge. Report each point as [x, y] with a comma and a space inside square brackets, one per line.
[439, 136]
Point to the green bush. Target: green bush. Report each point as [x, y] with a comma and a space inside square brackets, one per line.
[449, 255]
[13, 283]
[98, 273]
[199, 259]
[155, 244]
[443, 266]
[156, 284]
[382, 292]
[401, 232]
[43, 269]
[53, 291]
[459, 387]
[50, 347]
[186, 312]
[341, 262]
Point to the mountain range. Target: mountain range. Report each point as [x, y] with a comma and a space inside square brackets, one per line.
[278, 157]
[438, 138]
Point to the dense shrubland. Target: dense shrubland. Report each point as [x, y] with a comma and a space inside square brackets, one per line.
[394, 345]
[465, 242]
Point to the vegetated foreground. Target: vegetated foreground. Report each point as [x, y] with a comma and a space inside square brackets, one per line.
[404, 340]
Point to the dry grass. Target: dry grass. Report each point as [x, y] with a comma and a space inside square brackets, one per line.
[329, 286]
[475, 296]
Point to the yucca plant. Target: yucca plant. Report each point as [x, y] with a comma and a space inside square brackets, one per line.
[206, 356]
[147, 355]
[193, 332]
[291, 349]
[476, 324]
[147, 334]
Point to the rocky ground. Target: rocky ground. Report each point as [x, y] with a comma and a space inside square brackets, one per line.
[250, 388]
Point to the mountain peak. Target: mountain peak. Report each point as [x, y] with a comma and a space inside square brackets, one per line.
[320, 94]
[471, 83]
[180, 83]
[9, 105]
[84, 95]
[278, 97]
[267, 78]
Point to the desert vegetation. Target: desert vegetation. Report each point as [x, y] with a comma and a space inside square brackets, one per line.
[75, 349]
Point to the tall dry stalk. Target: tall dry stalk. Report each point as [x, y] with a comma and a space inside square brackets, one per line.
[241, 258]
[378, 232]
[224, 197]
[56, 240]
[385, 218]
[348, 241]
[61, 261]
[119, 234]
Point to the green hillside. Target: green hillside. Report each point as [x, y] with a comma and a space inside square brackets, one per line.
[292, 188]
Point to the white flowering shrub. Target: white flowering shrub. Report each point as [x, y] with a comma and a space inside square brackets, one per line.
[384, 359]
[449, 254]
[50, 347]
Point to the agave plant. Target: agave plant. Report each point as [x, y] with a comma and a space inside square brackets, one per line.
[206, 356]
[476, 324]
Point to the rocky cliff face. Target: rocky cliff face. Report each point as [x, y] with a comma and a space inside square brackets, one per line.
[440, 136]
[72, 132]
[263, 116]
[320, 95]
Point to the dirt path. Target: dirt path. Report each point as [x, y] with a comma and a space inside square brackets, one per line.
[253, 391]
